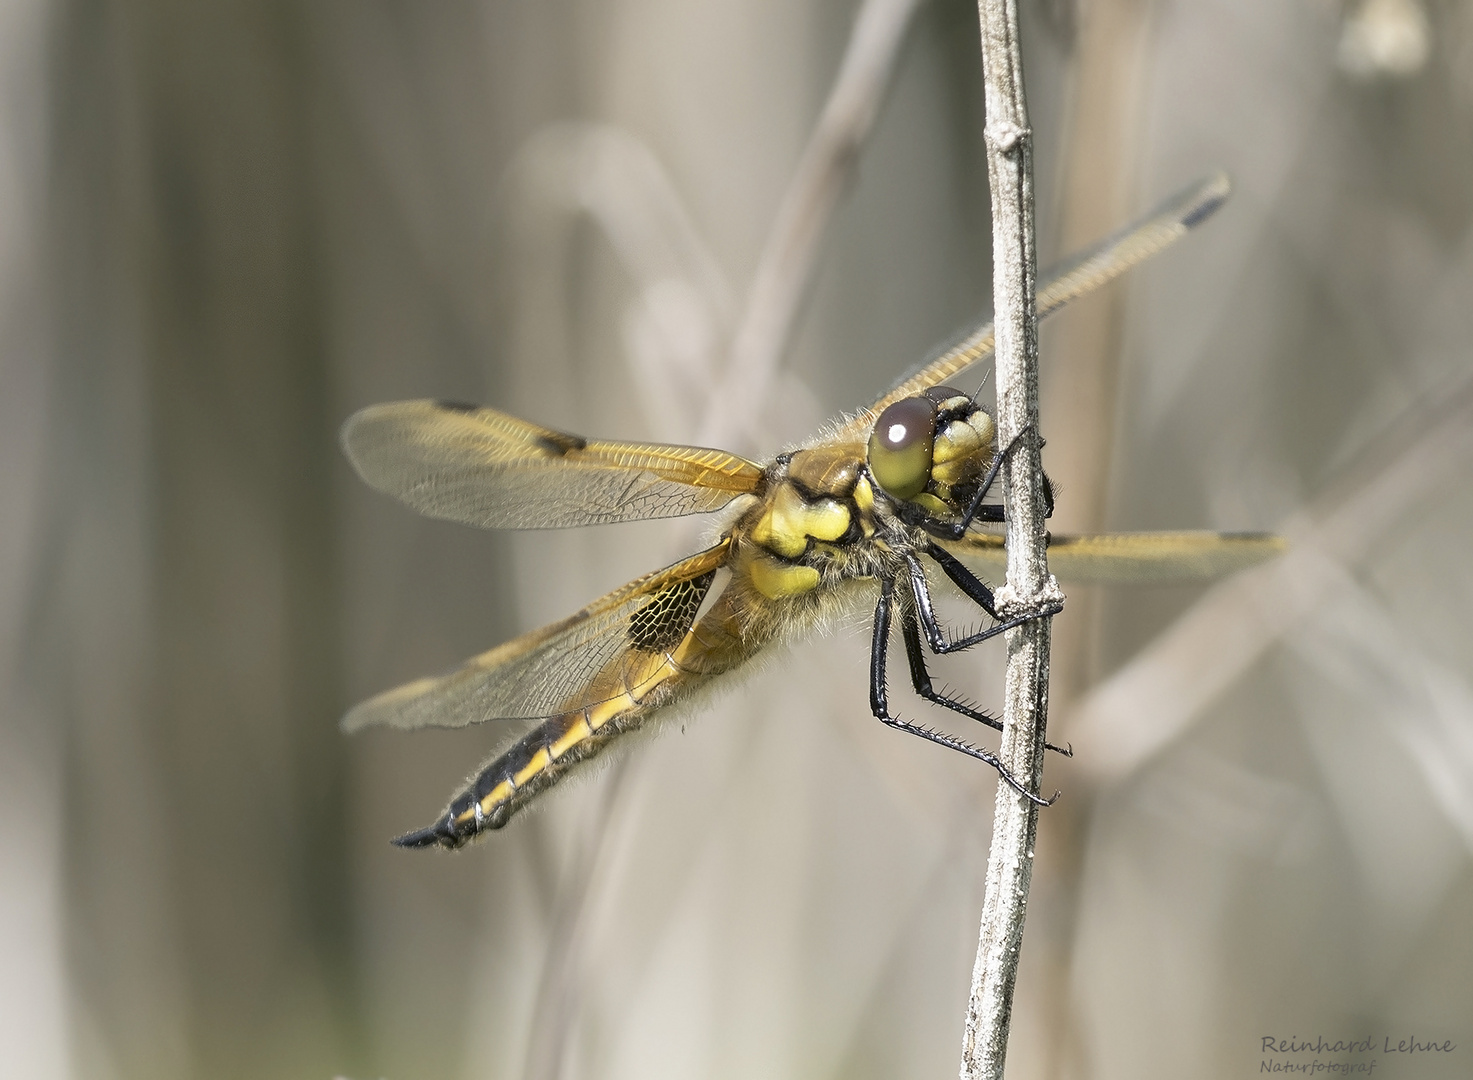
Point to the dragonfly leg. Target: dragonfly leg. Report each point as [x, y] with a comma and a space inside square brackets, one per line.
[969, 583]
[979, 593]
[975, 590]
[880, 703]
[975, 511]
[920, 678]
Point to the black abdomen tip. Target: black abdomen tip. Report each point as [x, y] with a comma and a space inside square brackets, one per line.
[439, 833]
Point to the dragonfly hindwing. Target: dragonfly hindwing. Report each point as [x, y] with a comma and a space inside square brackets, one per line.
[662, 622]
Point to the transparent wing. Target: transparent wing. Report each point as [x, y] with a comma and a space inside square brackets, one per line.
[1131, 558]
[485, 468]
[610, 648]
[1081, 275]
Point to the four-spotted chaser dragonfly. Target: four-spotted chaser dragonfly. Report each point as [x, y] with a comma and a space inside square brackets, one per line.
[850, 517]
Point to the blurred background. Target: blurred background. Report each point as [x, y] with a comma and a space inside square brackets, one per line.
[224, 227]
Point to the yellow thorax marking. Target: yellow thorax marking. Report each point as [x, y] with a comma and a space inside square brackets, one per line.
[790, 520]
[777, 580]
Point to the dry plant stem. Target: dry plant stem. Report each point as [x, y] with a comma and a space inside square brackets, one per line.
[1029, 586]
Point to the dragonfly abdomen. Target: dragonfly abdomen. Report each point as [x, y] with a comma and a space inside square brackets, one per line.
[530, 766]
[636, 685]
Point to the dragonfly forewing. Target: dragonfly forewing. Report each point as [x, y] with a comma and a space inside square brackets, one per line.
[485, 468]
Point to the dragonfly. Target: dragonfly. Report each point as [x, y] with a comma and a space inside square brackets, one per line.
[850, 518]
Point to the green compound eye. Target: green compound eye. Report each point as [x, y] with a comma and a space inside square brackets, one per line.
[900, 447]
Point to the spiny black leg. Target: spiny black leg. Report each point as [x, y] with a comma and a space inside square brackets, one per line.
[879, 698]
[920, 677]
[921, 680]
[880, 706]
[969, 583]
[935, 636]
[975, 588]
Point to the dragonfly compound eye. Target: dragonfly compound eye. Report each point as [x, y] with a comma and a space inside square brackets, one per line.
[901, 445]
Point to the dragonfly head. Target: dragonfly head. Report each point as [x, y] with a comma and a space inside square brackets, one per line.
[925, 449]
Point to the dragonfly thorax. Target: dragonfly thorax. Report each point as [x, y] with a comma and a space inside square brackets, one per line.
[809, 517]
[821, 517]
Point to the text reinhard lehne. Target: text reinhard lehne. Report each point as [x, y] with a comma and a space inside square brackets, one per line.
[1293, 1045]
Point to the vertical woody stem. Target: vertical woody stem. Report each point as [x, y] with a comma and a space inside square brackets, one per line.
[1029, 586]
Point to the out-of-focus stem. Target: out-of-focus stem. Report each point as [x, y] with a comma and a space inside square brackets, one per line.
[1150, 702]
[791, 252]
[733, 409]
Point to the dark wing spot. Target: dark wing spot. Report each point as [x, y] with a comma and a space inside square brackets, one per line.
[560, 443]
[1203, 212]
[456, 406]
[662, 622]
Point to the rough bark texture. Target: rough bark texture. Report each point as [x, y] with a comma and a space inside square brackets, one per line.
[1009, 868]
